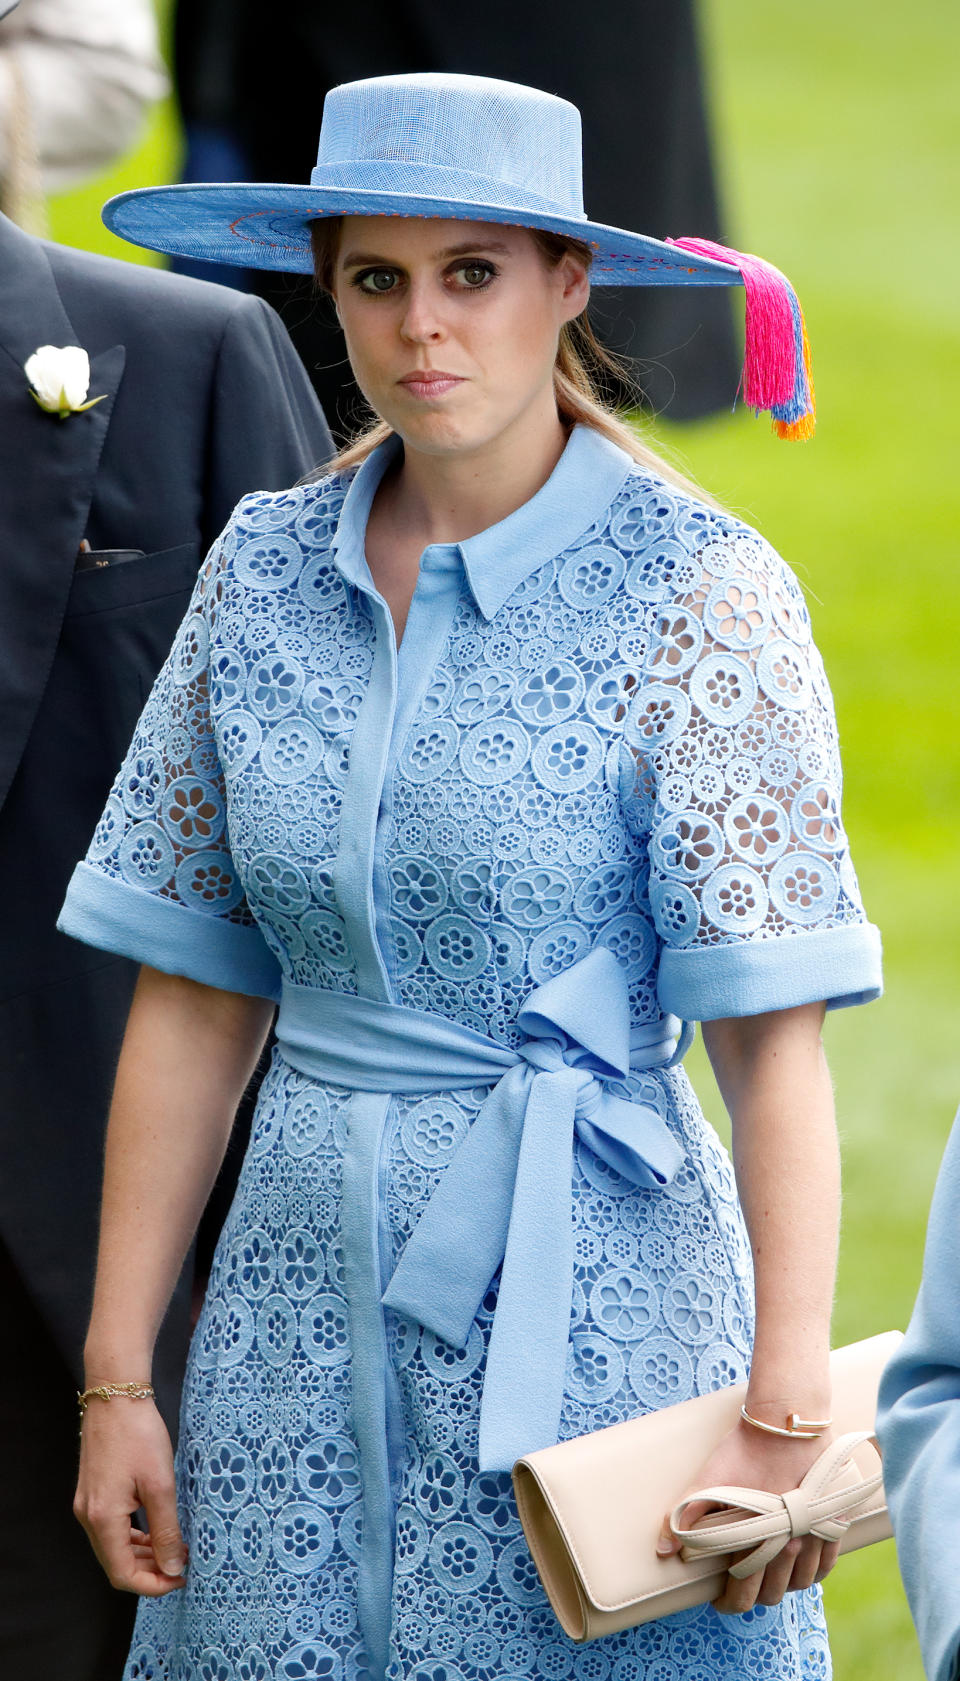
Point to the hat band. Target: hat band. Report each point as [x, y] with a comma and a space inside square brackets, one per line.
[401, 179]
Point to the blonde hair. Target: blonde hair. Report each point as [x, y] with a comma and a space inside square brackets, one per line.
[580, 359]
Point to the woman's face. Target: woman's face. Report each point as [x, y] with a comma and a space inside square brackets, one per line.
[452, 327]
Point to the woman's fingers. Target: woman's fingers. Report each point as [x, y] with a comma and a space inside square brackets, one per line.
[109, 1536]
[800, 1564]
[169, 1552]
[129, 1564]
[690, 1514]
[829, 1554]
[739, 1593]
[807, 1565]
[778, 1575]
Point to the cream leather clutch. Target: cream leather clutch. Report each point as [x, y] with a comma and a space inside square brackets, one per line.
[592, 1508]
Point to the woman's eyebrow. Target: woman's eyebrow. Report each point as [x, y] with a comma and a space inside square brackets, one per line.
[471, 248]
[474, 248]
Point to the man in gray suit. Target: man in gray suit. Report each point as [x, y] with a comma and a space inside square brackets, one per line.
[105, 516]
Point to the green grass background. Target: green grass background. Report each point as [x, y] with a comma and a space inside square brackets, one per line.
[836, 126]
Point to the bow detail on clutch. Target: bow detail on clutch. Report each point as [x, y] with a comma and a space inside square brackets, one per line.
[506, 1196]
[828, 1497]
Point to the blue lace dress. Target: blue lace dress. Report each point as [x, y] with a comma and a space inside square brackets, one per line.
[596, 791]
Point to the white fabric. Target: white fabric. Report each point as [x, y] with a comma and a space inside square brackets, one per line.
[89, 69]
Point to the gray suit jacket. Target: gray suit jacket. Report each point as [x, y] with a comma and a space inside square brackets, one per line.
[204, 400]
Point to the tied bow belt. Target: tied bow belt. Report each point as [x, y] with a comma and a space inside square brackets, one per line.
[506, 1194]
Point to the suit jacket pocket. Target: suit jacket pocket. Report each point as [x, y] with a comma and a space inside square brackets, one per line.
[115, 636]
[136, 582]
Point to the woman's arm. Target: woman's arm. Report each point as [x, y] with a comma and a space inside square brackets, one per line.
[773, 1078]
[188, 1053]
[774, 1081]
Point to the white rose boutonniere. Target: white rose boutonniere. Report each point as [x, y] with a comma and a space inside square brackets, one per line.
[60, 379]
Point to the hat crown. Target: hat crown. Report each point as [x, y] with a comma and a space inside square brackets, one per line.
[474, 126]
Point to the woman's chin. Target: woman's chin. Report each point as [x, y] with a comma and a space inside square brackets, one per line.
[435, 431]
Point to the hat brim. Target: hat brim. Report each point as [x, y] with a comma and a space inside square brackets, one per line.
[261, 225]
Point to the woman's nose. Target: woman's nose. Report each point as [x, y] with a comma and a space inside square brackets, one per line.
[422, 323]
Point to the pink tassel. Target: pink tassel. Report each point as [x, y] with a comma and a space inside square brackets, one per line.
[776, 369]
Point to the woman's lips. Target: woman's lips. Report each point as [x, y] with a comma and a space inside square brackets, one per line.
[429, 382]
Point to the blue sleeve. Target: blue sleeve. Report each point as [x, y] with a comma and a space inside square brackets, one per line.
[919, 1429]
[158, 883]
[730, 773]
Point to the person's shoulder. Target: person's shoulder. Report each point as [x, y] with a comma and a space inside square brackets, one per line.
[681, 540]
[132, 294]
[276, 540]
[652, 504]
[307, 514]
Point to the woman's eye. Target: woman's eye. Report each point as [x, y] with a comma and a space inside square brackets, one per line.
[377, 280]
[475, 275]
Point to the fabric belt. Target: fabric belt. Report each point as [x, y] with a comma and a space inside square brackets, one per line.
[506, 1195]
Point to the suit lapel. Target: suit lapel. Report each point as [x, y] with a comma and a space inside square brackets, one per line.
[47, 472]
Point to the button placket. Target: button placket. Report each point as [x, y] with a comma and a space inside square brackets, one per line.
[425, 636]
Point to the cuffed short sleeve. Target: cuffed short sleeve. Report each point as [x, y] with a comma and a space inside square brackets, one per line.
[730, 772]
[159, 883]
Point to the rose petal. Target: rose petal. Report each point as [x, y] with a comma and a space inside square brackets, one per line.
[59, 375]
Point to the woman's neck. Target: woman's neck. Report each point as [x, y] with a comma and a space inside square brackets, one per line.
[448, 498]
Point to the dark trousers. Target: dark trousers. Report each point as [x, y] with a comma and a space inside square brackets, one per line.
[60, 1620]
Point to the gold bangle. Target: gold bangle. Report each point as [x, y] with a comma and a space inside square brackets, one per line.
[106, 1392]
[800, 1429]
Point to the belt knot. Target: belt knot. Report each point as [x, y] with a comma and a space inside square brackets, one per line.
[506, 1196]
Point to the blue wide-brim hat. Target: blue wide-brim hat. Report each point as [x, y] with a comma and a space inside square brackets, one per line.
[460, 147]
[465, 148]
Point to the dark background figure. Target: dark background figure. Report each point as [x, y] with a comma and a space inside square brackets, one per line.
[204, 400]
[251, 96]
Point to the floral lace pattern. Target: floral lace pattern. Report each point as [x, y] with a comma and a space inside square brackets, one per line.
[636, 749]
[735, 774]
[639, 749]
[268, 1469]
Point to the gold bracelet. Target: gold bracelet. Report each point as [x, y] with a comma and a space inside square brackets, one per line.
[800, 1429]
[106, 1392]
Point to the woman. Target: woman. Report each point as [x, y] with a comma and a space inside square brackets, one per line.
[490, 759]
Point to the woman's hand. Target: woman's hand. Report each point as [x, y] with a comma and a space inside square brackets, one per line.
[187, 1055]
[126, 1462]
[747, 1458]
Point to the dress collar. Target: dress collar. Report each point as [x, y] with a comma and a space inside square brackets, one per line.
[581, 487]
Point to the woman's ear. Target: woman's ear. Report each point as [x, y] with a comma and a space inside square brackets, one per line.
[575, 287]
